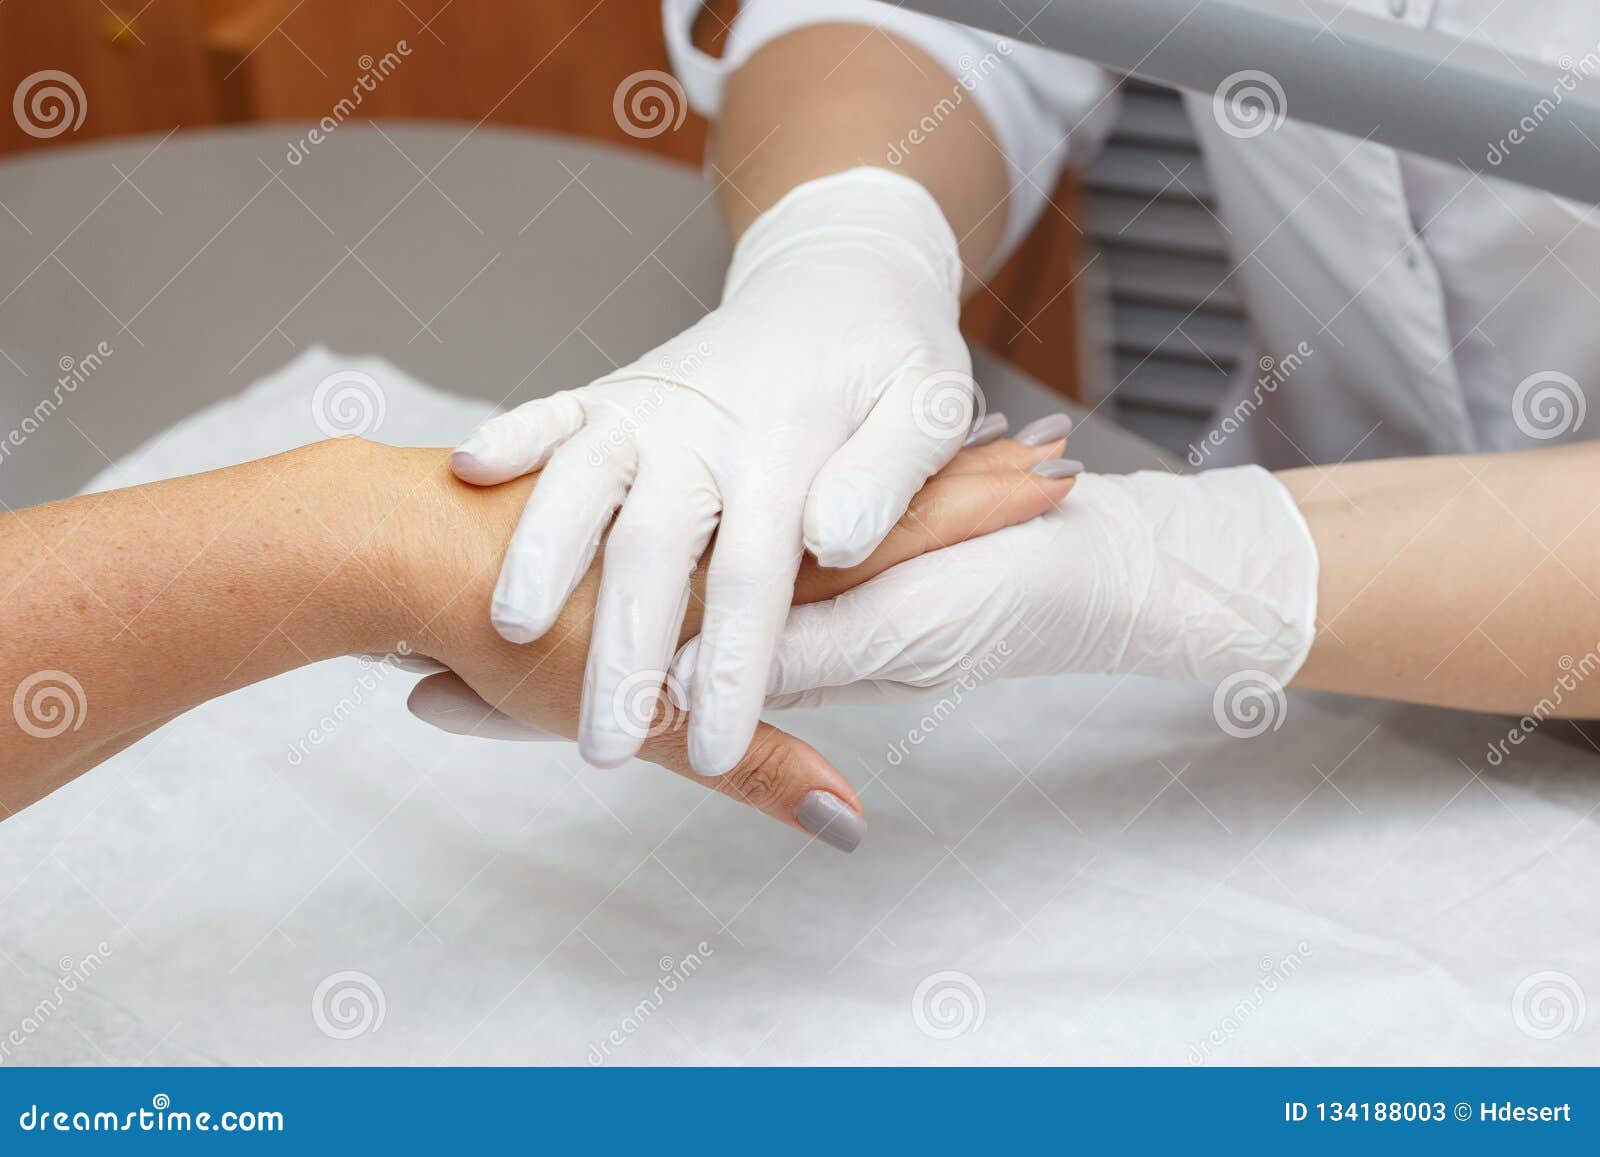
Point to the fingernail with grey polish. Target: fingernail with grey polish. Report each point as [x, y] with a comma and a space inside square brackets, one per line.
[831, 820]
[991, 427]
[1058, 468]
[1049, 429]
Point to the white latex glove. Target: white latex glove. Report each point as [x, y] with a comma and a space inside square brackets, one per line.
[810, 406]
[1181, 577]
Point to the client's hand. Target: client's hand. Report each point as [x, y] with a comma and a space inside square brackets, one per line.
[500, 690]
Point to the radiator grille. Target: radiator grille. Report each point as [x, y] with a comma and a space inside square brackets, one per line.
[1175, 324]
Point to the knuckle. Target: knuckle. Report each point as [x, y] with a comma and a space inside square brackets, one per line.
[762, 779]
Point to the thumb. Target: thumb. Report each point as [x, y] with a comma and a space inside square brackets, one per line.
[780, 776]
[915, 428]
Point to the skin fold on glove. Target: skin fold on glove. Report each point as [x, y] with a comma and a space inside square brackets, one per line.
[801, 414]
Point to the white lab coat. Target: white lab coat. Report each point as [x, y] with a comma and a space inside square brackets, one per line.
[1445, 312]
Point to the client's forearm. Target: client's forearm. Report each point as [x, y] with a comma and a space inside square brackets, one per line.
[1460, 581]
[126, 608]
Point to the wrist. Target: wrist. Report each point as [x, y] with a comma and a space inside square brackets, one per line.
[429, 545]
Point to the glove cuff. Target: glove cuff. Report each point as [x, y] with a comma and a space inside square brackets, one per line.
[891, 214]
[1233, 576]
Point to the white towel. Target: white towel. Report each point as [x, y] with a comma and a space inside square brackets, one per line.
[1072, 870]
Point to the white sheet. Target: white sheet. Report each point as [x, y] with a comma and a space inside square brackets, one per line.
[514, 906]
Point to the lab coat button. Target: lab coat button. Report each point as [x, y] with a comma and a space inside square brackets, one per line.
[1397, 8]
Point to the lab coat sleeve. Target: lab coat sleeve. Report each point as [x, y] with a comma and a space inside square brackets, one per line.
[1045, 110]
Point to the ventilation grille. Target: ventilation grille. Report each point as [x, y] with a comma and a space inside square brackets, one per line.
[1176, 326]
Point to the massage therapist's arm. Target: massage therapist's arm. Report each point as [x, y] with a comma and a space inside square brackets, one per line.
[126, 608]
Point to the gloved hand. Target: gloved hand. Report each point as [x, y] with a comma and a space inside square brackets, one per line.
[808, 407]
[1181, 577]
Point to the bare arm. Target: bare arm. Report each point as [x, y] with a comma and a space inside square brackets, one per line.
[1464, 581]
[829, 97]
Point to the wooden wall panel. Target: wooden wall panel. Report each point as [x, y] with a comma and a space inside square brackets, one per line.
[136, 75]
[555, 64]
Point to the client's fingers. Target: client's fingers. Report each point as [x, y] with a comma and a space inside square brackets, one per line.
[999, 453]
[781, 776]
[948, 510]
